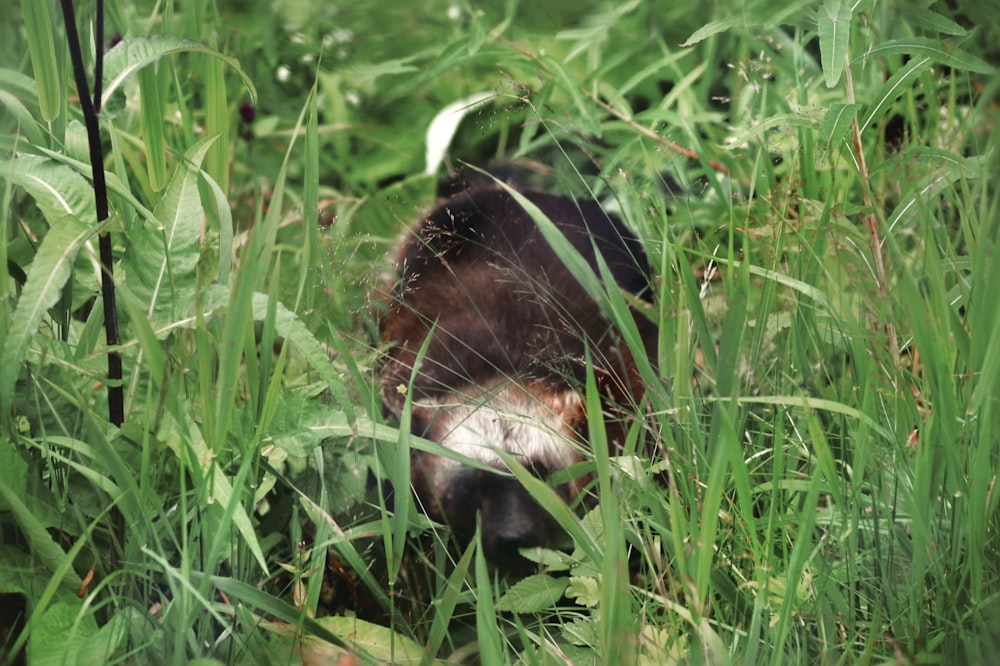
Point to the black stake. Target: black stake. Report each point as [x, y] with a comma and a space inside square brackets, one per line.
[90, 107]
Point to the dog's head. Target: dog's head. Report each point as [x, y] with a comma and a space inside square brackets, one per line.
[539, 426]
[489, 336]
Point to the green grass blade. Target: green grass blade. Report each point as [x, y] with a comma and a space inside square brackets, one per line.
[152, 120]
[217, 122]
[491, 650]
[41, 46]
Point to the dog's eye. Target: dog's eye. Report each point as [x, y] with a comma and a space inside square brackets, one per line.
[539, 470]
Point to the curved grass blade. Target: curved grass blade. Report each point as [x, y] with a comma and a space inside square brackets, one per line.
[134, 53]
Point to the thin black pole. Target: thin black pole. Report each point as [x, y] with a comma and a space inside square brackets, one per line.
[89, 106]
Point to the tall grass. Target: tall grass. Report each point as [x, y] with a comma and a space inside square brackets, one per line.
[811, 475]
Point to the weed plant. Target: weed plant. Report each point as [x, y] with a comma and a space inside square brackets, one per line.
[811, 477]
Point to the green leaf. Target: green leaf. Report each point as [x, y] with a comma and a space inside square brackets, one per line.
[48, 273]
[922, 17]
[933, 49]
[58, 190]
[134, 53]
[67, 634]
[23, 120]
[891, 90]
[573, 87]
[533, 594]
[32, 528]
[161, 261]
[380, 644]
[919, 195]
[834, 39]
[713, 28]
[586, 590]
[836, 122]
[364, 76]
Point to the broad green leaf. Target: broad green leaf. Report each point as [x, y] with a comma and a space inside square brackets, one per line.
[58, 190]
[933, 49]
[134, 53]
[161, 261]
[585, 590]
[48, 273]
[533, 594]
[41, 47]
[834, 39]
[381, 644]
[66, 634]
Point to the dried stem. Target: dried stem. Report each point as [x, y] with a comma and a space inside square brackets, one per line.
[873, 226]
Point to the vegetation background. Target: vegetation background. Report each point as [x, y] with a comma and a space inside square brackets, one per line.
[813, 476]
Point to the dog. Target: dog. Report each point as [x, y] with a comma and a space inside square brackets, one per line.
[507, 329]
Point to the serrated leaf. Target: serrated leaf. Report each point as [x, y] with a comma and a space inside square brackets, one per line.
[581, 632]
[161, 261]
[586, 590]
[48, 273]
[533, 594]
[933, 49]
[133, 53]
[834, 21]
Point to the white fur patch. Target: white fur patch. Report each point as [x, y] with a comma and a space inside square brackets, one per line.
[535, 427]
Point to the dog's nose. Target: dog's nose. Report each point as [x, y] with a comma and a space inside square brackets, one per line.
[512, 520]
